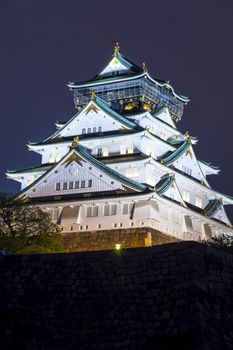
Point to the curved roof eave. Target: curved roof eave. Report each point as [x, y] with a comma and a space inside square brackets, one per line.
[144, 74]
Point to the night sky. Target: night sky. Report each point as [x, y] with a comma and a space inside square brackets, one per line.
[45, 44]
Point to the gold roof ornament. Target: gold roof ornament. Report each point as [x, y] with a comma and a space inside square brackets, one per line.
[187, 135]
[93, 94]
[142, 98]
[144, 67]
[116, 49]
[75, 142]
[147, 106]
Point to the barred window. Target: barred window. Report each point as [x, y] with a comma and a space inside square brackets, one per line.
[92, 211]
[58, 186]
[106, 210]
[99, 152]
[110, 209]
[127, 208]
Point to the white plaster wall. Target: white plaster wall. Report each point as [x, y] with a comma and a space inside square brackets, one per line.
[162, 215]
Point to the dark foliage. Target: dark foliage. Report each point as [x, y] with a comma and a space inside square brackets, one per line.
[28, 229]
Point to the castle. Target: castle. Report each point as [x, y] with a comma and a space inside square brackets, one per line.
[121, 163]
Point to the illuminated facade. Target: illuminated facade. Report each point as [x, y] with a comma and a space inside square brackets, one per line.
[120, 161]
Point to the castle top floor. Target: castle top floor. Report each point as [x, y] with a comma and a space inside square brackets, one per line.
[129, 88]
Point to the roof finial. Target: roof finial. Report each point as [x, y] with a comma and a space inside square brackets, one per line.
[144, 67]
[116, 49]
[93, 94]
[75, 142]
[187, 135]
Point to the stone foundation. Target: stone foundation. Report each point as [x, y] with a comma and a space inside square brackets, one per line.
[172, 296]
[104, 240]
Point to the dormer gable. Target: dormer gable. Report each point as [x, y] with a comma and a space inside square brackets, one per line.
[119, 65]
[96, 116]
[167, 187]
[79, 174]
[164, 115]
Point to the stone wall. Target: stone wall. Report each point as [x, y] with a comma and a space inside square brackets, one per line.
[106, 239]
[173, 296]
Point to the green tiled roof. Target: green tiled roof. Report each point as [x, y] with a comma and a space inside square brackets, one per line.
[90, 136]
[212, 207]
[170, 157]
[36, 168]
[164, 184]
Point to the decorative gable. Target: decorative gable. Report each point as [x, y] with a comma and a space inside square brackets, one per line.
[164, 115]
[97, 116]
[79, 173]
[167, 186]
[114, 66]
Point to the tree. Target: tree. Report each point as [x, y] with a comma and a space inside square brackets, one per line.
[28, 229]
[224, 242]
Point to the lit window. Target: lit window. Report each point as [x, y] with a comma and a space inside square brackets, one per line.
[51, 158]
[186, 196]
[123, 149]
[58, 157]
[105, 152]
[82, 183]
[198, 202]
[64, 185]
[132, 172]
[58, 186]
[130, 149]
[151, 129]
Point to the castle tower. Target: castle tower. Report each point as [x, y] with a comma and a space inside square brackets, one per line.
[120, 163]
